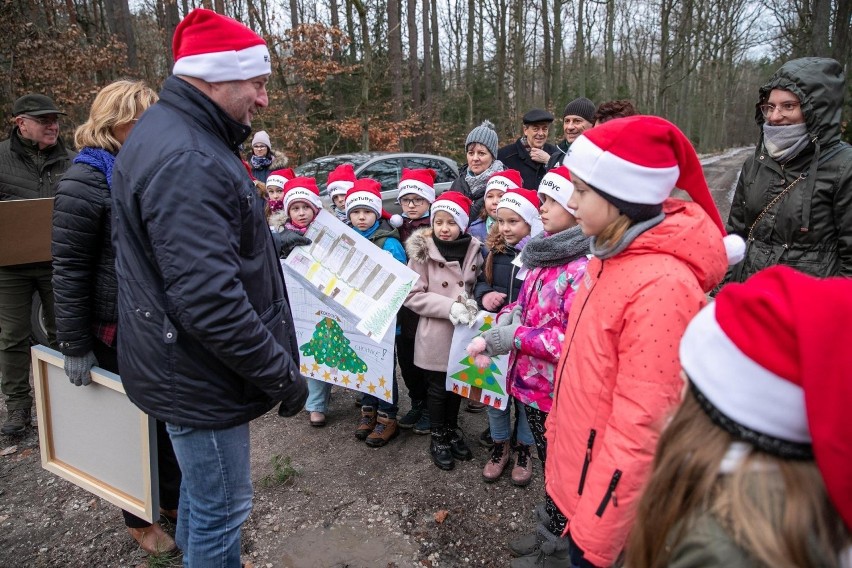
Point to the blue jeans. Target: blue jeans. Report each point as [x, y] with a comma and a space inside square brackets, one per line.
[500, 423]
[215, 494]
[319, 393]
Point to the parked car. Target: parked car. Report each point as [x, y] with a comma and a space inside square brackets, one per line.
[384, 167]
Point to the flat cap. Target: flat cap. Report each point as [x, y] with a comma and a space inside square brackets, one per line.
[34, 104]
[537, 115]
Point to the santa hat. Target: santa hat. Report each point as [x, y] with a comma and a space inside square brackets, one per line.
[367, 193]
[636, 162]
[504, 180]
[557, 185]
[216, 48]
[420, 182]
[769, 362]
[454, 203]
[302, 189]
[340, 180]
[280, 177]
[524, 202]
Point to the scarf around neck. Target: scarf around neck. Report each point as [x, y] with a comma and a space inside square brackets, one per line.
[295, 228]
[452, 250]
[785, 142]
[560, 248]
[261, 162]
[99, 159]
[476, 183]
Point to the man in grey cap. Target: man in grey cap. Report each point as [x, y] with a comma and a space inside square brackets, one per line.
[31, 162]
[578, 116]
[530, 153]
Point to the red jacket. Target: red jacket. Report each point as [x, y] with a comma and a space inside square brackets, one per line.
[618, 378]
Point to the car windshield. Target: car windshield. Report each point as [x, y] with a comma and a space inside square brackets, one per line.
[321, 167]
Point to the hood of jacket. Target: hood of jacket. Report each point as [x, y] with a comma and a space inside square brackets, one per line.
[417, 246]
[819, 84]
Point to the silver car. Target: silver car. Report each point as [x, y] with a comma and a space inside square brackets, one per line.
[384, 167]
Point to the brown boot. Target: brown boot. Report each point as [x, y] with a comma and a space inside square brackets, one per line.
[366, 423]
[386, 430]
[522, 472]
[499, 458]
[152, 539]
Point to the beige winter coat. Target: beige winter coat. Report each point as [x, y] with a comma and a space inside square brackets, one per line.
[439, 285]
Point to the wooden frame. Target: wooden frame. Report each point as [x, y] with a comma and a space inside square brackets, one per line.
[94, 437]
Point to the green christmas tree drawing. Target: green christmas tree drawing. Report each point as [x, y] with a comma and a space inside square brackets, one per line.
[480, 379]
[328, 346]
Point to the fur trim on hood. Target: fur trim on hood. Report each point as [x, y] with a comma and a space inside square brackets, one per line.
[279, 162]
[417, 245]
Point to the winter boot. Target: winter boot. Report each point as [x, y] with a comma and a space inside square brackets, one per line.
[17, 421]
[530, 543]
[553, 553]
[485, 439]
[522, 471]
[440, 450]
[459, 446]
[366, 423]
[385, 431]
[412, 416]
[424, 425]
[495, 466]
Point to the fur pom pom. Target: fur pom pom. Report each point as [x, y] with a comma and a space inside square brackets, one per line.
[482, 361]
[395, 221]
[476, 346]
[735, 248]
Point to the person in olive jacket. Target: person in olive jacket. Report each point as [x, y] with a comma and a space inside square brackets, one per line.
[793, 200]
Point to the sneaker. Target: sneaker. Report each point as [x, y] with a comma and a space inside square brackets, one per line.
[485, 439]
[17, 421]
[412, 417]
[475, 406]
[385, 431]
[459, 446]
[522, 472]
[424, 425]
[317, 419]
[495, 466]
[366, 424]
[152, 539]
[439, 449]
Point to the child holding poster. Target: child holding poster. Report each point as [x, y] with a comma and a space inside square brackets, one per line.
[448, 262]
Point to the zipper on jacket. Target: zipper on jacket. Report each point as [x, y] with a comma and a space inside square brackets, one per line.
[589, 445]
[610, 494]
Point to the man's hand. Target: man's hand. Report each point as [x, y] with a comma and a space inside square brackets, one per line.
[286, 241]
[78, 368]
[539, 155]
[295, 401]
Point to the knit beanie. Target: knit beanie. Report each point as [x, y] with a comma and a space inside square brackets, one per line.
[636, 162]
[456, 204]
[582, 107]
[420, 182]
[558, 186]
[215, 48]
[367, 193]
[340, 180]
[302, 189]
[261, 137]
[278, 178]
[769, 362]
[483, 134]
[504, 180]
[524, 202]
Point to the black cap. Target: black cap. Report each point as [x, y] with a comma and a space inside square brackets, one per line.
[35, 105]
[537, 115]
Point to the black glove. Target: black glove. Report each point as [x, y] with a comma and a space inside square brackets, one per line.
[297, 394]
[286, 241]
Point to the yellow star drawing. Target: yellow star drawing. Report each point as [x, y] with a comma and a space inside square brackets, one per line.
[382, 381]
[346, 377]
[488, 319]
[387, 394]
[326, 375]
[360, 377]
[372, 389]
[314, 367]
[345, 380]
[304, 369]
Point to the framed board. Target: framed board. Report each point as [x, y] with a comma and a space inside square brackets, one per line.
[25, 231]
[94, 437]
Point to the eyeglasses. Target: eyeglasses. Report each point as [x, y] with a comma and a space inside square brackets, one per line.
[42, 120]
[784, 108]
[412, 201]
[258, 145]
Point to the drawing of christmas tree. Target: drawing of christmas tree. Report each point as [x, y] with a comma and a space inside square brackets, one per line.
[479, 379]
[328, 346]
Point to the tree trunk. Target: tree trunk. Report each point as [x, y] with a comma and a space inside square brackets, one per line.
[413, 63]
[427, 61]
[294, 13]
[547, 68]
[580, 49]
[336, 82]
[350, 29]
[395, 59]
[556, 81]
[366, 71]
[468, 72]
[609, 51]
[437, 73]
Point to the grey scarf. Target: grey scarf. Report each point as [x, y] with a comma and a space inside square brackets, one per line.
[476, 183]
[555, 250]
[628, 237]
[785, 142]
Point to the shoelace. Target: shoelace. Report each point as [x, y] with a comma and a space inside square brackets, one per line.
[523, 454]
[497, 453]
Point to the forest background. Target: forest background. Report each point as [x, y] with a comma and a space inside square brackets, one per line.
[418, 74]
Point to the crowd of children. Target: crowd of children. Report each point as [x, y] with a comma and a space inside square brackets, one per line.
[594, 278]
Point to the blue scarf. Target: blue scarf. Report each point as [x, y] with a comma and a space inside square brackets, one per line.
[99, 159]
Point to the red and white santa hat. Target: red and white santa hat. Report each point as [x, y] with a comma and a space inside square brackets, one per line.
[367, 193]
[216, 48]
[769, 362]
[524, 202]
[278, 178]
[640, 160]
[420, 182]
[302, 189]
[454, 203]
[340, 180]
[557, 185]
[504, 181]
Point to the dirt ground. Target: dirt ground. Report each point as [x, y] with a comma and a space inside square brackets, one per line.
[346, 505]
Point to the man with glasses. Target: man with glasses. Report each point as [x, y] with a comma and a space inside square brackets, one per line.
[793, 200]
[31, 162]
[530, 153]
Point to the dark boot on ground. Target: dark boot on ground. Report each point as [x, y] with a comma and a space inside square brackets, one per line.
[366, 423]
[485, 439]
[439, 449]
[424, 425]
[386, 430]
[412, 416]
[553, 553]
[475, 406]
[459, 446]
[17, 421]
[530, 542]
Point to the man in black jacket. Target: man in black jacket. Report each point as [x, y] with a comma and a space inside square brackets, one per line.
[530, 153]
[206, 341]
[578, 116]
[31, 162]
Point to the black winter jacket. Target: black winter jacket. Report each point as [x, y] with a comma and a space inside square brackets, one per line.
[516, 157]
[84, 282]
[29, 174]
[557, 156]
[206, 336]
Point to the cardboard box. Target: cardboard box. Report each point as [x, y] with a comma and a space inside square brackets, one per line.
[25, 231]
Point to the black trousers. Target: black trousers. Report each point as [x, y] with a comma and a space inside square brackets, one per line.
[443, 405]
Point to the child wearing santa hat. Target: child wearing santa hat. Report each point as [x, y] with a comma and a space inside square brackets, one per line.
[275, 196]
[448, 262]
[619, 376]
[339, 181]
[377, 424]
[415, 194]
[498, 183]
[755, 467]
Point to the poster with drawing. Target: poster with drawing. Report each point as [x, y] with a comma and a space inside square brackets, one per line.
[364, 283]
[464, 377]
[332, 350]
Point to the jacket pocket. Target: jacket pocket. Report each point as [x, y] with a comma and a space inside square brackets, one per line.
[587, 461]
[610, 494]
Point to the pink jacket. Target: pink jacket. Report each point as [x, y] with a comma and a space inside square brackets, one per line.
[618, 378]
[545, 299]
[439, 285]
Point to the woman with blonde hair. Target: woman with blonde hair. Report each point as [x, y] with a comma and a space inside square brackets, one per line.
[755, 468]
[84, 278]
